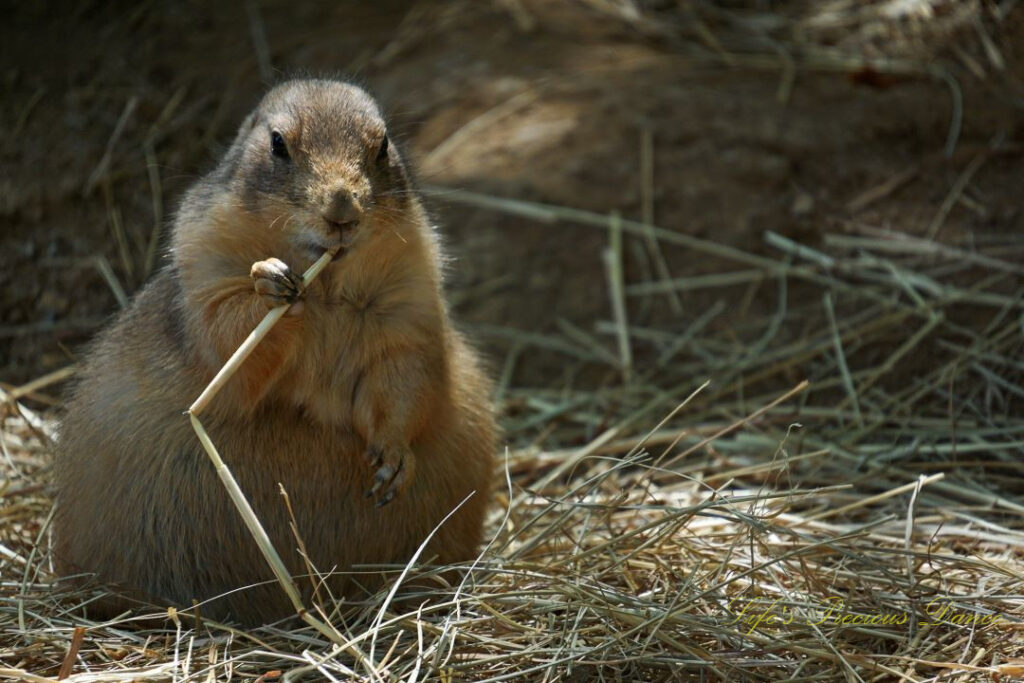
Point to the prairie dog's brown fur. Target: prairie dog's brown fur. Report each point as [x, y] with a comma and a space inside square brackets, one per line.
[363, 387]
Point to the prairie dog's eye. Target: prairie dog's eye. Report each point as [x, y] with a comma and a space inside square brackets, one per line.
[382, 154]
[277, 145]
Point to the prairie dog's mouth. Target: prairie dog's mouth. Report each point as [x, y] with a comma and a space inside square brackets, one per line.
[348, 233]
[314, 245]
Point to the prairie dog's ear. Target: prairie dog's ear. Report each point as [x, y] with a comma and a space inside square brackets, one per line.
[248, 123]
[229, 163]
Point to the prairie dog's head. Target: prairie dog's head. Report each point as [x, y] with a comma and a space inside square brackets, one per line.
[314, 163]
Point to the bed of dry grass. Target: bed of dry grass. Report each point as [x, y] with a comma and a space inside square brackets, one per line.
[842, 528]
[842, 502]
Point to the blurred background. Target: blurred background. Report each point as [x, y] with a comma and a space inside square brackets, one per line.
[868, 150]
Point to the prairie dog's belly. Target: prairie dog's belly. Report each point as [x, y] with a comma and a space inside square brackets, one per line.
[323, 380]
[325, 394]
[340, 342]
[325, 475]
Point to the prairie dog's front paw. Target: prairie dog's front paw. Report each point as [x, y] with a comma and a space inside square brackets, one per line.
[395, 466]
[275, 282]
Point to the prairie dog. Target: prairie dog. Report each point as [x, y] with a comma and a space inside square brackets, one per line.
[363, 402]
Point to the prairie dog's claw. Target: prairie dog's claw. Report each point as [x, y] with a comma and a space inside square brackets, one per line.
[394, 470]
[276, 283]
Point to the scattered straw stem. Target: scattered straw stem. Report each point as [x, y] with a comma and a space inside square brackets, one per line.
[732, 427]
[647, 203]
[46, 380]
[616, 286]
[913, 486]
[103, 266]
[77, 637]
[237, 497]
[102, 167]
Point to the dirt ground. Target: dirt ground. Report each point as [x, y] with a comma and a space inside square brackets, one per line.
[112, 109]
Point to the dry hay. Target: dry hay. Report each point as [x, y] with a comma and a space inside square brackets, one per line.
[866, 525]
[883, 537]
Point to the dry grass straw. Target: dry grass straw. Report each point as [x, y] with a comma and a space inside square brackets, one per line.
[241, 503]
[866, 526]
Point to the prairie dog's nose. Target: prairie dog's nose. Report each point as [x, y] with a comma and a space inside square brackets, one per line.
[341, 208]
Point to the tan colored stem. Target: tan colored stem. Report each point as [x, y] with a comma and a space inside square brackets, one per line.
[259, 534]
[249, 516]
